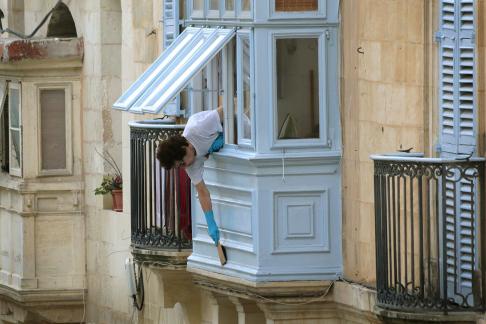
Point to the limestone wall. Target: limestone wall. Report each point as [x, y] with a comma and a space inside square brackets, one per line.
[122, 39]
[388, 102]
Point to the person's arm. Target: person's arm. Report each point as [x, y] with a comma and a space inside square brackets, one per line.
[205, 201]
[221, 114]
[204, 196]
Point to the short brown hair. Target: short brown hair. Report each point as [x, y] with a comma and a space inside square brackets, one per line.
[171, 150]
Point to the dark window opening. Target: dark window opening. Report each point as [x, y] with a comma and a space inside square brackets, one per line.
[61, 23]
[4, 138]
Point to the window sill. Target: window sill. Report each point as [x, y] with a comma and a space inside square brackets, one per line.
[10, 182]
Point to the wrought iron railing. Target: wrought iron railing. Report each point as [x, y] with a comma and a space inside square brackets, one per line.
[160, 199]
[429, 229]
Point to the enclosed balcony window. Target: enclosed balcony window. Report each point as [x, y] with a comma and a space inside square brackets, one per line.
[53, 129]
[15, 132]
[244, 88]
[55, 136]
[297, 88]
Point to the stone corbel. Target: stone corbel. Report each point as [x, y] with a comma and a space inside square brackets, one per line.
[248, 311]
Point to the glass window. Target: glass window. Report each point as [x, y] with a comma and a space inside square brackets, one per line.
[15, 159]
[197, 5]
[4, 137]
[230, 5]
[214, 5]
[182, 10]
[205, 88]
[297, 88]
[53, 129]
[245, 88]
[246, 5]
[234, 91]
[296, 5]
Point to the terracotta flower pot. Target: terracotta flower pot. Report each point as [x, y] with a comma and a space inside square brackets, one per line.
[117, 195]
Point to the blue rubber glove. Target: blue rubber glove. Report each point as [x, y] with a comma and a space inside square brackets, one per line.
[212, 227]
[217, 144]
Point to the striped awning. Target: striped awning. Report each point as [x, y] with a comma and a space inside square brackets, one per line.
[173, 69]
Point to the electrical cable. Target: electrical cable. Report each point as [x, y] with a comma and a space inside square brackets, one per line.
[140, 289]
[20, 35]
[84, 309]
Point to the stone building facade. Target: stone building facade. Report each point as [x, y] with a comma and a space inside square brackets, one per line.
[63, 250]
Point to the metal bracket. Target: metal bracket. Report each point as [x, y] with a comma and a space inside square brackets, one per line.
[438, 148]
[439, 36]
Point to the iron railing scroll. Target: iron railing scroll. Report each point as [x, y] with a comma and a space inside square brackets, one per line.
[430, 227]
[160, 199]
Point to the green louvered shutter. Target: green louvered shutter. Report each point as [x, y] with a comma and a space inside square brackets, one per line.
[458, 131]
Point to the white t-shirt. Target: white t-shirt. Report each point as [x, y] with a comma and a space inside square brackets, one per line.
[201, 130]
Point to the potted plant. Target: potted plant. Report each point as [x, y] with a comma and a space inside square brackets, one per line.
[112, 183]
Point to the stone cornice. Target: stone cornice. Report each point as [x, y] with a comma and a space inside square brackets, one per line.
[37, 297]
[18, 54]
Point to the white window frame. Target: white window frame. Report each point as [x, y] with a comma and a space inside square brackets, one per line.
[197, 14]
[319, 13]
[228, 89]
[3, 96]
[229, 14]
[212, 13]
[323, 139]
[68, 95]
[244, 14]
[17, 86]
[240, 37]
[221, 13]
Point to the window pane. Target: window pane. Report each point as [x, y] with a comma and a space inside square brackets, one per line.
[296, 5]
[246, 5]
[205, 88]
[235, 94]
[14, 108]
[297, 88]
[15, 149]
[182, 10]
[214, 5]
[198, 5]
[230, 5]
[4, 137]
[53, 129]
[246, 88]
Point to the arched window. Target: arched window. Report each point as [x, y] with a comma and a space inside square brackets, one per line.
[61, 23]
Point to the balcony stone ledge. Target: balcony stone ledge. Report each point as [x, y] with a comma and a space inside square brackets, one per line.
[395, 316]
[166, 259]
[41, 56]
[41, 306]
[295, 300]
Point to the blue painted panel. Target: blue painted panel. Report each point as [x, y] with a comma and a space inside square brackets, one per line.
[295, 221]
[301, 221]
